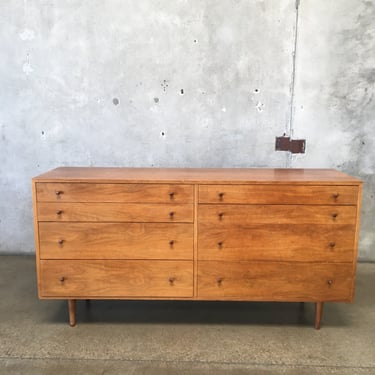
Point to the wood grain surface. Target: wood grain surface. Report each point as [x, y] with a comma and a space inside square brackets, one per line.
[237, 215]
[277, 242]
[275, 281]
[115, 241]
[116, 278]
[200, 175]
[115, 212]
[275, 194]
[127, 193]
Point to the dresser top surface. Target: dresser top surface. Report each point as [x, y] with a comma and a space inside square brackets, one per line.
[198, 175]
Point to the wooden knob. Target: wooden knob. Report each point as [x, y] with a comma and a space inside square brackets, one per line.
[171, 242]
[58, 212]
[329, 282]
[221, 195]
[219, 281]
[60, 241]
[62, 279]
[171, 195]
[335, 195]
[332, 244]
[335, 214]
[171, 214]
[171, 280]
[58, 192]
[220, 215]
[220, 244]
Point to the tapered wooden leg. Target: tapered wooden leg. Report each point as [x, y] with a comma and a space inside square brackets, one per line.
[72, 312]
[318, 314]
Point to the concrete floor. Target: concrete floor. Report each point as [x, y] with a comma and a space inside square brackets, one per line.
[122, 337]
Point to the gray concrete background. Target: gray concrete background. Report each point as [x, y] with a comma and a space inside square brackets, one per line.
[190, 83]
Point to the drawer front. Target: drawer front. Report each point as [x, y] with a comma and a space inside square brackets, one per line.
[237, 215]
[115, 241]
[278, 194]
[275, 281]
[115, 212]
[277, 242]
[127, 193]
[116, 278]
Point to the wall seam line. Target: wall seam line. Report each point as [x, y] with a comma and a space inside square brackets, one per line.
[293, 81]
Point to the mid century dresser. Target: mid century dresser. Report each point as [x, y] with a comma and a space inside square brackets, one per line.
[196, 234]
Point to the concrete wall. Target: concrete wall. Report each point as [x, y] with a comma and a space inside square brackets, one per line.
[335, 87]
[200, 83]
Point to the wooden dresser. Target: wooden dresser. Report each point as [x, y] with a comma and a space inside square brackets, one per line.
[196, 234]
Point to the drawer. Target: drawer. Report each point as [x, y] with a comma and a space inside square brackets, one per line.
[127, 193]
[277, 242]
[278, 194]
[115, 278]
[115, 212]
[237, 215]
[115, 241]
[275, 281]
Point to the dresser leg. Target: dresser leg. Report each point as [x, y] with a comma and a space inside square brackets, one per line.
[318, 314]
[72, 312]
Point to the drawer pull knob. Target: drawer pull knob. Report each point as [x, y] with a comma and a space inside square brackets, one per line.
[171, 280]
[220, 244]
[171, 195]
[58, 192]
[220, 214]
[332, 244]
[60, 241]
[171, 214]
[171, 242]
[329, 282]
[335, 195]
[219, 281]
[335, 214]
[221, 195]
[62, 279]
[58, 212]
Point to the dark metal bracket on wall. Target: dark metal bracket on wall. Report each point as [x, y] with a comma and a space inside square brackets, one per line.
[295, 146]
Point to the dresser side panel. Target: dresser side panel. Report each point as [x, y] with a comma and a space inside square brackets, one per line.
[36, 235]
